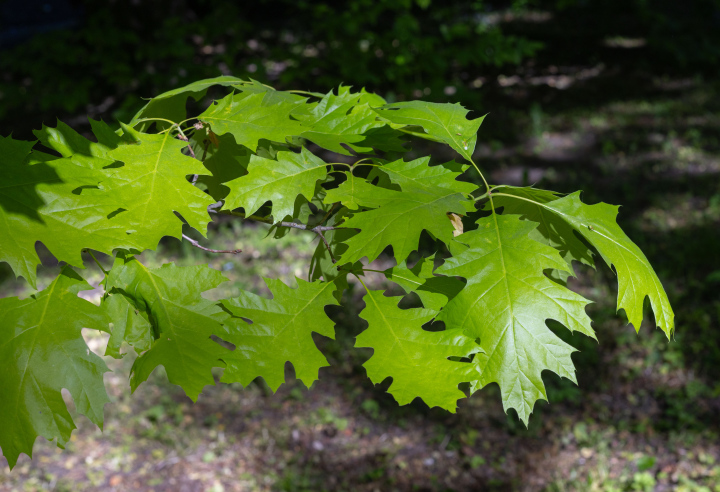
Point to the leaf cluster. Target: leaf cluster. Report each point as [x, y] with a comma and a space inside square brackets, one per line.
[333, 165]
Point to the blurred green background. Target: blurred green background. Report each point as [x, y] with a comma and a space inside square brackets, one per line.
[618, 98]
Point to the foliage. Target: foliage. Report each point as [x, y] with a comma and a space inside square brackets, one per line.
[499, 273]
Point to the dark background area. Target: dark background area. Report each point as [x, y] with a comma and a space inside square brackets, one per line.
[618, 98]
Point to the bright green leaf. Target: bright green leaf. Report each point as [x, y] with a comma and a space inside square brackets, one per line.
[280, 331]
[43, 351]
[252, 117]
[636, 278]
[181, 319]
[60, 202]
[280, 181]
[339, 119]
[401, 216]
[416, 360]
[418, 173]
[505, 304]
[445, 122]
[154, 186]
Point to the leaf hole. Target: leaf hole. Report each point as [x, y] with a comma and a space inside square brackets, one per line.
[115, 213]
[79, 189]
[223, 343]
[434, 326]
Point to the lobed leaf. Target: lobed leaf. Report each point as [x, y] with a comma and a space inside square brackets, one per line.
[251, 117]
[43, 351]
[445, 122]
[281, 182]
[338, 120]
[153, 186]
[416, 360]
[400, 216]
[182, 320]
[61, 202]
[598, 225]
[505, 304]
[279, 331]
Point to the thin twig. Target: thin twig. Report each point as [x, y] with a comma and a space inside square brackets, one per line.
[197, 245]
[322, 236]
[317, 230]
[306, 228]
[182, 137]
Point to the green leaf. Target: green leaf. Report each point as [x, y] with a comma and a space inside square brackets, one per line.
[280, 331]
[170, 105]
[505, 304]
[181, 319]
[339, 119]
[154, 186]
[280, 181]
[419, 174]
[226, 162]
[401, 216]
[636, 278]
[43, 351]
[552, 229]
[252, 117]
[399, 222]
[355, 193]
[60, 202]
[67, 142]
[271, 95]
[127, 325]
[416, 360]
[434, 292]
[445, 122]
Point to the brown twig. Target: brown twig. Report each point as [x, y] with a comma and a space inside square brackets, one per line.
[197, 245]
[317, 230]
[182, 137]
[322, 236]
[306, 228]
